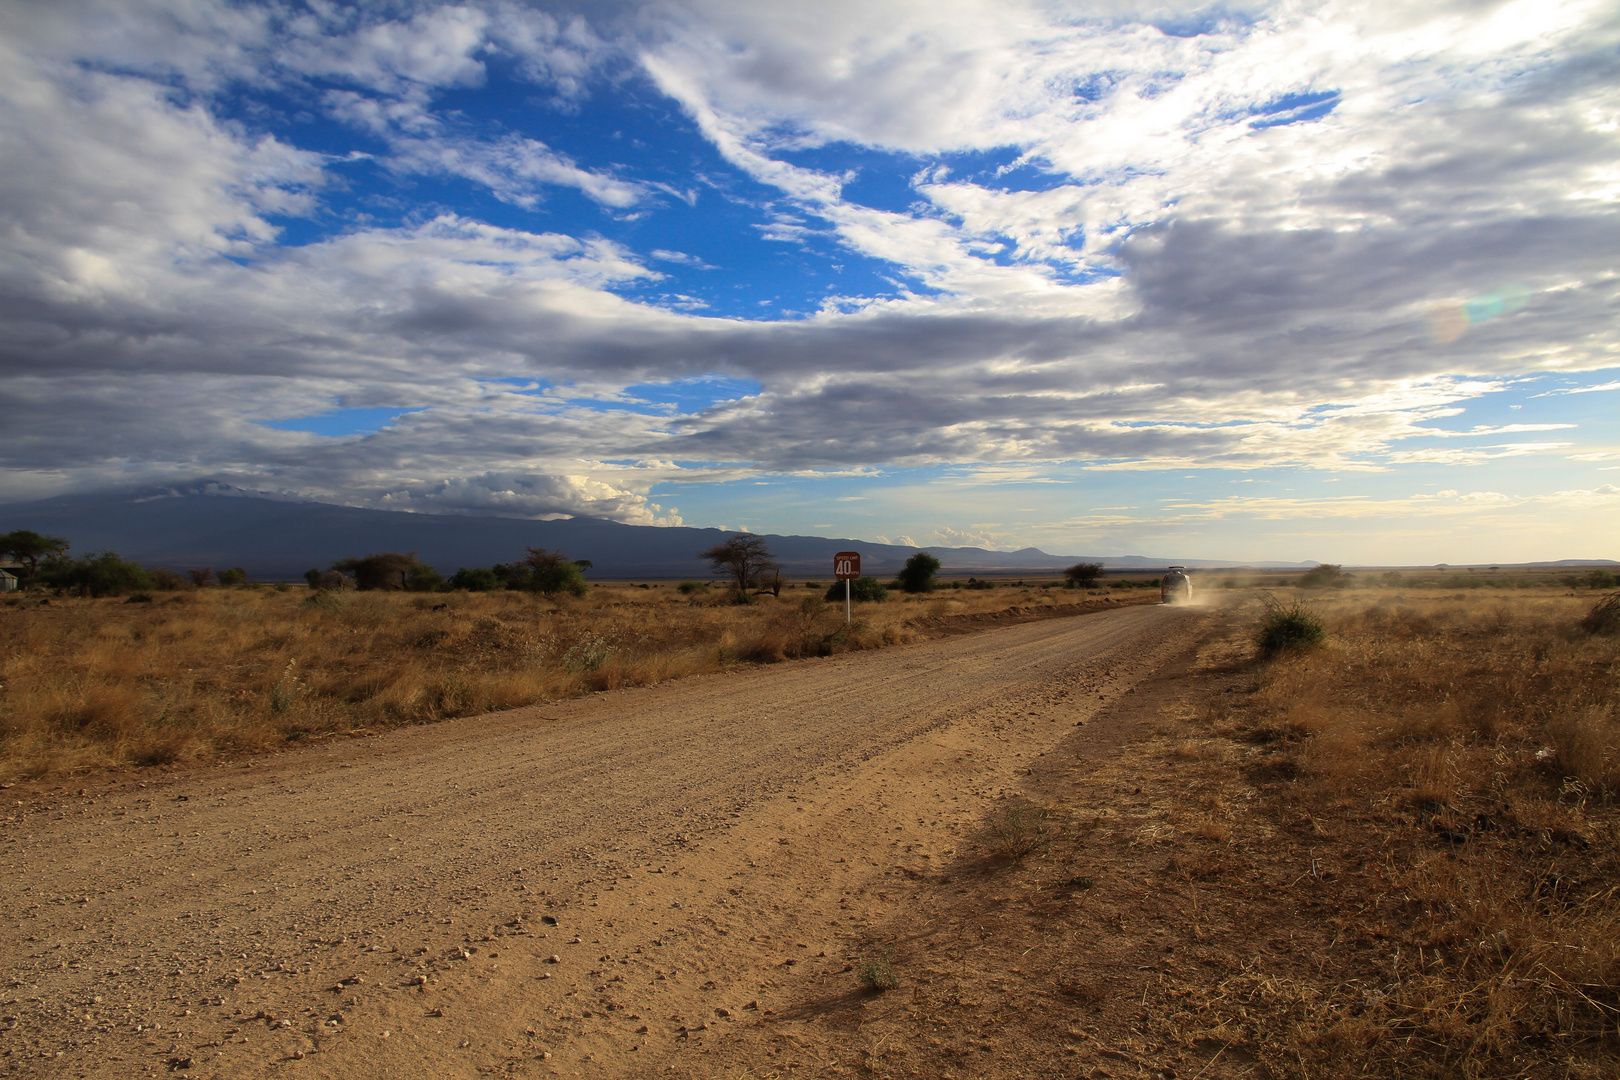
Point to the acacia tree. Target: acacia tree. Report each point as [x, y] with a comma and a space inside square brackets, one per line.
[29, 546]
[379, 570]
[1084, 574]
[743, 558]
[1325, 576]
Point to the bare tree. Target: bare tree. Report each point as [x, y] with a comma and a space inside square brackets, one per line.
[743, 558]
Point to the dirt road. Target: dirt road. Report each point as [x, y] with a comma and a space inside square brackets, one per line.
[590, 888]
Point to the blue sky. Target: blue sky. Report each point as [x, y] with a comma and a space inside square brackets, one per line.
[1292, 281]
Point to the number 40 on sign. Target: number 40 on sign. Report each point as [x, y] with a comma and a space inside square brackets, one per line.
[846, 568]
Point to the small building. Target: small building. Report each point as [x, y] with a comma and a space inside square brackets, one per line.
[8, 581]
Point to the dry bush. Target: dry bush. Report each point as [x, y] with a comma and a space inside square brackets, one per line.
[1604, 618]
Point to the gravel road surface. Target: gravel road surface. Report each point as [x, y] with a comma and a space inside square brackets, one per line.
[586, 888]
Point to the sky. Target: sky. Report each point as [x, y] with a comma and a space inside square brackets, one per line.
[1273, 281]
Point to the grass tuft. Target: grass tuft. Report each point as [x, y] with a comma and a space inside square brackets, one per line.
[1289, 627]
[877, 972]
[1020, 829]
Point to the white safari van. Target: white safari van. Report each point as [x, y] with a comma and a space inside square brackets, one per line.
[1175, 587]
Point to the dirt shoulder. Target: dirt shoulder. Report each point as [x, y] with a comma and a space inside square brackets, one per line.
[604, 886]
[1214, 886]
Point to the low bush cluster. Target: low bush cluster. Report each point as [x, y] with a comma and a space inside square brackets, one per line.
[865, 590]
[100, 574]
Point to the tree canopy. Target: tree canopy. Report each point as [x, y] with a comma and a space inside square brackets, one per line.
[742, 558]
[1325, 576]
[918, 573]
[552, 572]
[1084, 574]
[28, 546]
[379, 570]
[101, 573]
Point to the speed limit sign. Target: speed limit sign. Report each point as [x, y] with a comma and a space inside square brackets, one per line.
[846, 568]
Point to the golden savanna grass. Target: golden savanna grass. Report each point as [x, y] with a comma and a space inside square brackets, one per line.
[1464, 756]
[88, 684]
[1395, 855]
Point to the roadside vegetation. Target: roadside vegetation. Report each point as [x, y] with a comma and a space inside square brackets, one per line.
[1455, 765]
[1395, 852]
[196, 672]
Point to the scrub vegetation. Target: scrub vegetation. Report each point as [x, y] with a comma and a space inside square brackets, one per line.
[1455, 766]
[197, 673]
[1393, 854]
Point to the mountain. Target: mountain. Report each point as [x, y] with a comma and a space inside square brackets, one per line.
[275, 538]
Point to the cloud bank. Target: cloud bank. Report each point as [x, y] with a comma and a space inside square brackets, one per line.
[1112, 237]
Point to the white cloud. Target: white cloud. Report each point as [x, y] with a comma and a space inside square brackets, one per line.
[1188, 290]
[434, 48]
[516, 170]
[526, 495]
[1582, 390]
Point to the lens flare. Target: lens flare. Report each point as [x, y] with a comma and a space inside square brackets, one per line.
[1449, 320]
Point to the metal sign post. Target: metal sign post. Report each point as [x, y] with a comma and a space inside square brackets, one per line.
[846, 568]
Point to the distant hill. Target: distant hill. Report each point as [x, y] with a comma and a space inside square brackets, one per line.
[275, 539]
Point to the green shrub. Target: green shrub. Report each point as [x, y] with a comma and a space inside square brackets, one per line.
[477, 579]
[687, 588]
[552, 572]
[975, 583]
[865, 589]
[423, 578]
[589, 653]
[917, 575]
[1289, 627]
[1021, 829]
[101, 573]
[233, 576]
[1325, 576]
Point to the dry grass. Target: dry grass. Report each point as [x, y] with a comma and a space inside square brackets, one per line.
[88, 684]
[1397, 855]
[1467, 753]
